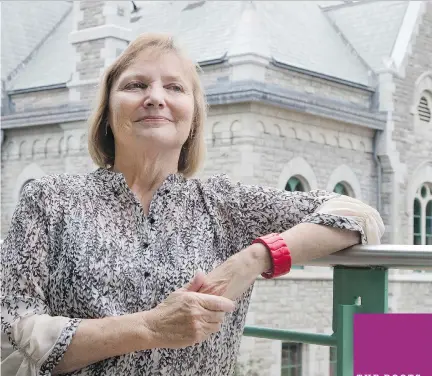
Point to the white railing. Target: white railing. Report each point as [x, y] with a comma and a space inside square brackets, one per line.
[387, 255]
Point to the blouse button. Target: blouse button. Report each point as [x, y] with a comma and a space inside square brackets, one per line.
[145, 245]
[151, 220]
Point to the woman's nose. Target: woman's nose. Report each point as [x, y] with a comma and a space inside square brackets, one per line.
[155, 97]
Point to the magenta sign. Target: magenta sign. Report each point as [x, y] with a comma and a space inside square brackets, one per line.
[393, 344]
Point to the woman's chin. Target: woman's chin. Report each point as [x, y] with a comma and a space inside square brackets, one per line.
[158, 137]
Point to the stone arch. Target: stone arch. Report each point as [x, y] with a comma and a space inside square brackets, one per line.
[61, 146]
[260, 127]
[344, 174]
[277, 130]
[23, 149]
[83, 142]
[422, 174]
[11, 149]
[290, 132]
[49, 147]
[37, 148]
[71, 142]
[422, 85]
[236, 126]
[298, 167]
[31, 172]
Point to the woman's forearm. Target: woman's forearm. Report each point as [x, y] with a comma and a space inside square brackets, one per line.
[99, 339]
[306, 241]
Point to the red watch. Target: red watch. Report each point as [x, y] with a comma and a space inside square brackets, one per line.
[279, 253]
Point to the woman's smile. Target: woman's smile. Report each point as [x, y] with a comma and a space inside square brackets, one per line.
[153, 120]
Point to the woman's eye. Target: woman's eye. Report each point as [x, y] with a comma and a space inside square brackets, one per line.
[176, 87]
[135, 85]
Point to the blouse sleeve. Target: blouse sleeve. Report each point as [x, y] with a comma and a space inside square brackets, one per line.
[33, 341]
[264, 210]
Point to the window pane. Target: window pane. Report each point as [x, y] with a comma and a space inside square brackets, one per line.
[341, 189]
[417, 226]
[291, 359]
[429, 209]
[417, 222]
[294, 184]
[417, 207]
[332, 361]
[429, 240]
[423, 191]
[428, 222]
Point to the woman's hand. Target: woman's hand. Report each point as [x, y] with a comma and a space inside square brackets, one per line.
[187, 317]
[232, 278]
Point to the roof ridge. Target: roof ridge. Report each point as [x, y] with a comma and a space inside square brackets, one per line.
[22, 63]
[348, 43]
[347, 5]
[261, 25]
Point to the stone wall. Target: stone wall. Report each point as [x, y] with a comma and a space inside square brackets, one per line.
[411, 139]
[258, 144]
[318, 86]
[29, 153]
[304, 303]
[39, 99]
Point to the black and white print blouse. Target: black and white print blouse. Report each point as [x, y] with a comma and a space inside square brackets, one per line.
[80, 246]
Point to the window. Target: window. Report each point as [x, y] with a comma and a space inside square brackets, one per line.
[332, 361]
[295, 184]
[424, 110]
[422, 216]
[291, 359]
[429, 223]
[343, 188]
[417, 222]
[23, 186]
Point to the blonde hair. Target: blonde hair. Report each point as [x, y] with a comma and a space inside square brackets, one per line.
[101, 139]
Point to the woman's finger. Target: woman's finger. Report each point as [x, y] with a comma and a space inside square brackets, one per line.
[213, 317]
[216, 303]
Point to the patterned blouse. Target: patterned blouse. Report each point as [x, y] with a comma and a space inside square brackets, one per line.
[80, 246]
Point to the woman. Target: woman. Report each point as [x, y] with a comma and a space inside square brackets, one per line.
[137, 268]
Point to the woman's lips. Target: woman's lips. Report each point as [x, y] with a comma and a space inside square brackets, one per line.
[153, 119]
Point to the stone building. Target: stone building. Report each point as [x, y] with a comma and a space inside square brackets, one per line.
[303, 95]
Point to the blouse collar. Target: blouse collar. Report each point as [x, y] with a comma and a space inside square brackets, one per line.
[118, 181]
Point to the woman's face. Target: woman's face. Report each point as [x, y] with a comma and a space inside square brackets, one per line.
[152, 103]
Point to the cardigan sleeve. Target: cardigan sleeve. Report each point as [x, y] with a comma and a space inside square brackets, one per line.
[33, 340]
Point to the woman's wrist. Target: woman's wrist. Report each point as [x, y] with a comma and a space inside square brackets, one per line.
[256, 258]
[148, 336]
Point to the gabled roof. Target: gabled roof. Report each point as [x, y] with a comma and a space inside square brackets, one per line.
[371, 27]
[295, 33]
[345, 42]
[52, 63]
[24, 27]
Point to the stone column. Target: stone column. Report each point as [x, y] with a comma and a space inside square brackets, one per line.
[101, 32]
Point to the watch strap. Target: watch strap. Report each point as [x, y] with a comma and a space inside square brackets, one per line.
[279, 253]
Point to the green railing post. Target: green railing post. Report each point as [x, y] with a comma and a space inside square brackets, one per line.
[355, 290]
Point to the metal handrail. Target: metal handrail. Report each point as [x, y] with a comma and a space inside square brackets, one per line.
[360, 285]
[386, 255]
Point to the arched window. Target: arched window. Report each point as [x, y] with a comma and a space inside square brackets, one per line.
[295, 183]
[422, 216]
[429, 223]
[343, 188]
[23, 186]
[299, 184]
[424, 110]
